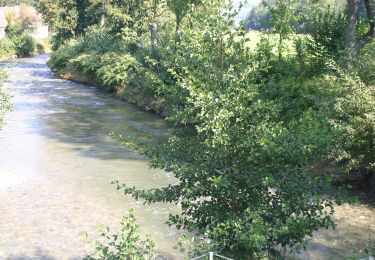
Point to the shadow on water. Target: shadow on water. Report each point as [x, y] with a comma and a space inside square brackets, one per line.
[81, 115]
[39, 254]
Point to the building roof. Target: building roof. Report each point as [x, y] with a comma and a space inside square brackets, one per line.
[23, 11]
[30, 13]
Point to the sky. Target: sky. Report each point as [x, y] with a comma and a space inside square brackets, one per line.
[246, 8]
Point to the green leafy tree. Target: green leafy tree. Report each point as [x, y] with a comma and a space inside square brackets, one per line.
[18, 31]
[124, 19]
[241, 159]
[282, 17]
[180, 8]
[355, 119]
[62, 17]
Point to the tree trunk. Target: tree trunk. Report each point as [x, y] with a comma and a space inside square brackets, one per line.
[350, 41]
[370, 16]
[102, 21]
[177, 30]
[154, 29]
[154, 34]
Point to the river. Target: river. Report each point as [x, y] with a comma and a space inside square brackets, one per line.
[57, 162]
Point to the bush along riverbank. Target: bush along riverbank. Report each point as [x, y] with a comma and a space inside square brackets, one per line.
[259, 135]
[4, 99]
[127, 70]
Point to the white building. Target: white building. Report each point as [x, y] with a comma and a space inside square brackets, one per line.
[3, 25]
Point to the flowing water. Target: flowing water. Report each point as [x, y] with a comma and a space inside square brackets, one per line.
[57, 162]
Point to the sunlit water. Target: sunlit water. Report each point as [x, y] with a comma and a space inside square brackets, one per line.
[57, 162]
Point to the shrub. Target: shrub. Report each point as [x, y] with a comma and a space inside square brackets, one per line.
[364, 64]
[6, 47]
[117, 70]
[26, 46]
[355, 121]
[60, 58]
[134, 76]
[40, 48]
[18, 27]
[4, 103]
[125, 244]
[327, 37]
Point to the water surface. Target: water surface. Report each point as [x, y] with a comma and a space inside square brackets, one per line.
[58, 161]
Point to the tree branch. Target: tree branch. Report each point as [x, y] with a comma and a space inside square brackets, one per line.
[371, 32]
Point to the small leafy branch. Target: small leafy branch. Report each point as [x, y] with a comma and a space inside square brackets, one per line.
[124, 245]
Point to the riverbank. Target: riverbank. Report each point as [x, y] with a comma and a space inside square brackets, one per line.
[136, 95]
[4, 98]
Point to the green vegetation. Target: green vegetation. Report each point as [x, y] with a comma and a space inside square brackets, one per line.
[17, 32]
[370, 246]
[260, 17]
[7, 47]
[99, 61]
[18, 41]
[126, 244]
[16, 2]
[253, 123]
[4, 103]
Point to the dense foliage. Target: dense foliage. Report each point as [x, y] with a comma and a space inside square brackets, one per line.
[260, 17]
[105, 61]
[260, 133]
[16, 2]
